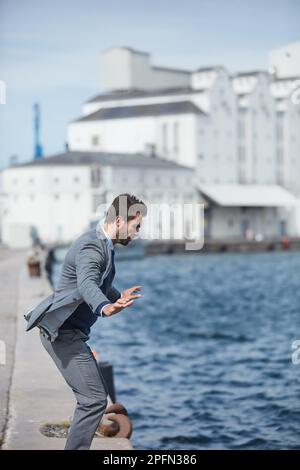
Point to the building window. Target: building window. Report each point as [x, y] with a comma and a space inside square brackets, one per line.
[279, 126]
[95, 176]
[165, 138]
[76, 179]
[176, 137]
[56, 180]
[56, 196]
[31, 180]
[279, 154]
[32, 197]
[241, 127]
[242, 153]
[95, 140]
[201, 156]
[76, 196]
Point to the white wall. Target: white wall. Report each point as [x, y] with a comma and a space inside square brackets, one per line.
[133, 134]
[227, 223]
[60, 207]
[216, 137]
[49, 199]
[287, 135]
[256, 144]
[285, 61]
[124, 68]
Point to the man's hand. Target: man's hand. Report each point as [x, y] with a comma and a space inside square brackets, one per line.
[126, 299]
[129, 293]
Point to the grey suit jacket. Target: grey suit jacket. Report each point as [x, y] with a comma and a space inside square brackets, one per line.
[85, 267]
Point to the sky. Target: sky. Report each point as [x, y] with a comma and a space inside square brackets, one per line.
[50, 51]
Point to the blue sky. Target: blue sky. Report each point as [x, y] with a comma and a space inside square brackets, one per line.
[50, 51]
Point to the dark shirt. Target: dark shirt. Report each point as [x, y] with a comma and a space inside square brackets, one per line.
[83, 317]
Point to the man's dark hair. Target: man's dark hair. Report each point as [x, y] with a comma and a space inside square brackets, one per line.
[127, 206]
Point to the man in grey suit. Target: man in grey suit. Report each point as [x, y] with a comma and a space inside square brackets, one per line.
[84, 293]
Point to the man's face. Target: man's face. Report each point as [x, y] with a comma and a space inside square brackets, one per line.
[128, 231]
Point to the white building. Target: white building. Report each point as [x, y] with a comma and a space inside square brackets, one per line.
[59, 196]
[284, 68]
[124, 68]
[2, 204]
[224, 127]
[236, 137]
[255, 128]
[287, 134]
[189, 125]
[249, 211]
[284, 62]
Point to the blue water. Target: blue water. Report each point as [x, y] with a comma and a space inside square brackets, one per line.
[203, 359]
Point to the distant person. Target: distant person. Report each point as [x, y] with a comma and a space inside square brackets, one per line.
[84, 293]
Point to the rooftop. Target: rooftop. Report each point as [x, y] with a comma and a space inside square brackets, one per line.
[102, 158]
[121, 112]
[248, 195]
[250, 73]
[141, 93]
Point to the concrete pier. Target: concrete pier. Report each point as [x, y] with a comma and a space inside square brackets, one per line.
[33, 393]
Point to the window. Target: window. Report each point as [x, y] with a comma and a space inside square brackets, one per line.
[76, 179]
[279, 126]
[241, 127]
[55, 180]
[176, 137]
[95, 140]
[95, 176]
[164, 138]
[242, 153]
[279, 154]
[56, 196]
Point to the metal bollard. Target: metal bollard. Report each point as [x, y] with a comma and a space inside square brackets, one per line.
[107, 372]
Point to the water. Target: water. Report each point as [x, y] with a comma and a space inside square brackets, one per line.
[203, 360]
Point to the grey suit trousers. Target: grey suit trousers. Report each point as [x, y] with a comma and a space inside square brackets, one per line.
[76, 362]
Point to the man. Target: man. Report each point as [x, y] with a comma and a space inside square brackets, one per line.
[84, 293]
